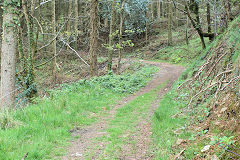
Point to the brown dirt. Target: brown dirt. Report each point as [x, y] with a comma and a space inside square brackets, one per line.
[86, 144]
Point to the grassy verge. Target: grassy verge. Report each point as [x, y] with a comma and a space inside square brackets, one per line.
[168, 128]
[38, 129]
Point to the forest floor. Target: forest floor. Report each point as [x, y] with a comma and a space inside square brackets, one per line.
[125, 131]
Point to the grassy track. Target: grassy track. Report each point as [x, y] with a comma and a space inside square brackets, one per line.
[38, 129]
[125, 123]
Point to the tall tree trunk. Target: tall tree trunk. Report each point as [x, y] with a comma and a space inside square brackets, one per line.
[120, 37]
[152, 9]
[187, 40]
[54, 44]
[196, 22]
[209, 20]
[215, 17]
[69, 24]
[29, 82]
[227, 17]
[76, 22]
[164, 9]
[159, 9]
[111, 37]
[1, 22]
[209, 17]
[8, 57]
[170, 22]
[147, 26]
[93, 37]
[229, 11]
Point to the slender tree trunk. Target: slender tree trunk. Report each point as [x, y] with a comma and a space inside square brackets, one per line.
[164, 9]
[187, 40]
[159, 9]
[69, 24]
[29, 82]
[146, 26]
[176, 17]
[111, 38]
[215, 17]
[38, 27]
[76, 22]
[8, 57]
[152, 9]
[1, 22]
[120, 37]
[54, 44]
[196, 23]
[209, 17]
[169, 22]
[228, 10]
[93, 37]
[209, 20]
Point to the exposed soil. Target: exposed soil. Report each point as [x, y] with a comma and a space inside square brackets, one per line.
[86, 144]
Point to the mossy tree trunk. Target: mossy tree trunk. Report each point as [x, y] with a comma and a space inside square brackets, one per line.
[29, 84]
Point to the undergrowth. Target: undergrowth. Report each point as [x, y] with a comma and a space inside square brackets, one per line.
[180, 54]
[126, 82]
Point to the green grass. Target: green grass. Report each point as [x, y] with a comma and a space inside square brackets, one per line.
[125, 123]
[180, 54]
[41, 130]
[167, 129]
[46, 125]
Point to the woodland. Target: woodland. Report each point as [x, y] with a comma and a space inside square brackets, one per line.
[120, 79]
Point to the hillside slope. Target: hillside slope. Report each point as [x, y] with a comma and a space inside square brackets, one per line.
[199, 118]
[213, 97]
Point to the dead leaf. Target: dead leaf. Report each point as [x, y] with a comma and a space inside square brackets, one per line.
[223, 110]
[180, 141]
[206, 148]
[178, 156]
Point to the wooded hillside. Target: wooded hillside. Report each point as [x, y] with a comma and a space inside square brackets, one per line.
[66, 63]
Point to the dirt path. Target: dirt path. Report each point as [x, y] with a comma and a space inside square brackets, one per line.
[86, 144]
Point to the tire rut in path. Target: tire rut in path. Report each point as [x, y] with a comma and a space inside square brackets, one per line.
[79, 147]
